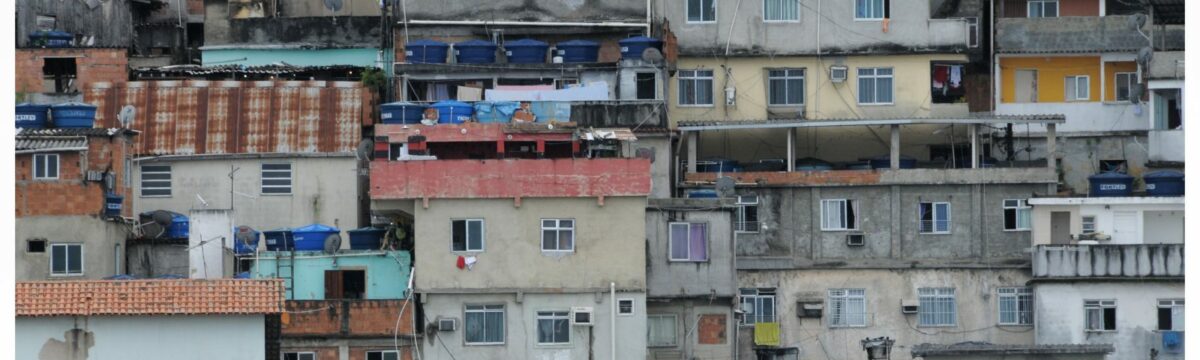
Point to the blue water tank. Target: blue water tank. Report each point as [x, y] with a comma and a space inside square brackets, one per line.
[885, 162]
[32, 116]
[813, 164]
[426, 52]
[475, 52]
[312, 237]
[52, 38]
[495, 111]
[632, 48]
[243, 275]
[179, 226]
[240, 246]
[578, 51]
[73, 115]
[279, 239]
[453, 112]
[121, 277]
[401, 113]
[1164, 183]
[717, 165]
[113, 204]
[702, 194]
[526, 51]
[1109, 184]
[368, 238]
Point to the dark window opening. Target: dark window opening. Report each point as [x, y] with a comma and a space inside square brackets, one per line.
[524, 82]
[244, 264]
[1164, 318]
[958, 156]
[646, 86]
[1113, 166]
[345, 284]
[1110, 318]
[58, 75]
[442, 90]
[946, 83]
[195, 35]
[36, 246]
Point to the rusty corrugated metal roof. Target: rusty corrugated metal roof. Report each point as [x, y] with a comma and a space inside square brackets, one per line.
[149, 297]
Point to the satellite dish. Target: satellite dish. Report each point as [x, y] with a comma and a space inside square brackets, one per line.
[162, 217]
[725, 186]
[335, 5]
[652, 55]
[1145, 55]
[364, 150]
[1135, 94]
[1137, 21]
[333, 243]
[125, 117]
[246, 236]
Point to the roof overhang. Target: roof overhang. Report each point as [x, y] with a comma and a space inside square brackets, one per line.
[787, 124]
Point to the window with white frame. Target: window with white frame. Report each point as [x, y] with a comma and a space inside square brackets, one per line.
[847, 307]
[45, 166]
[781, 10]
[1100, 315]
[1016, 214]
[558, 235]
[277, 179]
[466, 235]
[701, 10]
[383, 355]
[156, 180]
[785, 87]
[758, 305]
[875, 86]
[839, 214]
[747, 214]
[66, 259]
[689, 241]
[935, 218]
[937, 307]
[625, 307]
[484, 324]
[870, 9]
[1125, 82]
[1170, 315]
[1077, 88]
[553, 327]
[299, 356]
[660, 330]
[1088, 224]
[972, 31]
[1016, 305]
[1042, 8]
[695, 87]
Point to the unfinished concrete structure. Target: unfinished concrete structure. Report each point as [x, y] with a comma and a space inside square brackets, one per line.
[296, 32]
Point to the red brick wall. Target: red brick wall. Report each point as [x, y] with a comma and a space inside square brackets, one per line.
[379, 318]
[366, 318]
[91, 65]
[70, 195]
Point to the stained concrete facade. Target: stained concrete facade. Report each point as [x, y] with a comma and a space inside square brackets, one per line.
[241, 337]
[1059, 308]
[103, 245]
[1146, 220]
[110, 22]
[535, 10]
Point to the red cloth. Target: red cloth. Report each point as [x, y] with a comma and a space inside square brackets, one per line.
[462, 263]
[941, 74]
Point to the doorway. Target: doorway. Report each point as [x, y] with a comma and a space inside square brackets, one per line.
[1060, 227]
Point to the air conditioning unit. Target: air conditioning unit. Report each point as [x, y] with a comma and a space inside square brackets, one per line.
[837, 73]
[908, 307]
[447, 324]
[810, 308]
[856, 240]
[582, 316]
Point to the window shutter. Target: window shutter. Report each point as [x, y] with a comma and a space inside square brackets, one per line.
[333, 285]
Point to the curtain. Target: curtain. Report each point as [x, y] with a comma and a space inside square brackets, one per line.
[883, 86]
[679, 241]
[866, 88]
[781, 10]
[661, 330]
[834, 215]
[699, 242]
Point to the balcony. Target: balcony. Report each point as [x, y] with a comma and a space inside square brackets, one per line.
[509, 178]
[1068, 34]
[347, 318]
[1039, 174]
[1108, 261]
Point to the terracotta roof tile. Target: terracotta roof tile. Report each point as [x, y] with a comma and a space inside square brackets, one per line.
[149, 297]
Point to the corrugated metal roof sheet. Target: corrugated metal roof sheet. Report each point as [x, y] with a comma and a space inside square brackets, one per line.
[51, 143]
[149, 297]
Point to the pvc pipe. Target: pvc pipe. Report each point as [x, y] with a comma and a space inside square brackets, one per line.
[612, 288]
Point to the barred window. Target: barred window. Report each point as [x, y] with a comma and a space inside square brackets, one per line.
[847, 307]
[937, 307]
[276, 179]
[1016, 306]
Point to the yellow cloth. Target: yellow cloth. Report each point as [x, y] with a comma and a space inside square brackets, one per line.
[766, 334]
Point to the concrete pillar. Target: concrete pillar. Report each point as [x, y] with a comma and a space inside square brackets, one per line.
[1051, 146]
[791, 150]
[895, 147]
[692, 138]
[974, 129]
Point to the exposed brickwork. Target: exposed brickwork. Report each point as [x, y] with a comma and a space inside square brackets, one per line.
[307, 318]
[70, 194]
[328, 318]
[379, 317]
[91, 66]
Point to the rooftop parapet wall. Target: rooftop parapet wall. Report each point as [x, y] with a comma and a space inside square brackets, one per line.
[881, 177]
[1068, 34]
[320, 318]
[1108, 261]
[528, 10]
[509, 178]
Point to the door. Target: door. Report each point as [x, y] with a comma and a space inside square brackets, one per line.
[1060, 227]
[1026, 86]
[1125, 227]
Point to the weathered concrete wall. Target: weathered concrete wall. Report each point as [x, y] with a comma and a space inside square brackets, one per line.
[528, 10]
[520, 327]
[660, 146]
[321, 192]
[146, 259]
[1167, 145]
[111, 22]
[976, 301]
[1079, 156]
[1109, 261]
[1068, 34]
[1016, 357]
[164, 337]
[1156, 223]
[317, 31]
[698, 334]
[666, 278]
[103, 241]
[1060, 316]
[386, 272]
[321, 8]
[512, 259]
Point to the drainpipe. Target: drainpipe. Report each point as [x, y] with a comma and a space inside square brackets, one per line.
[612, 288]
[648, 23]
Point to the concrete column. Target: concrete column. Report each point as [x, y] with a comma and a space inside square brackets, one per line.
[692, 138]
[974, 129]
[895, 147]
[1051, 145]
[791, 150]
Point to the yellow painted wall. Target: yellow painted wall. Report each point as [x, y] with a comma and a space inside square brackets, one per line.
[1110, 77]
[1051, 78]
[824, 99]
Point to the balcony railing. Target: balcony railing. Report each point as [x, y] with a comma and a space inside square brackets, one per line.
[1108, 261]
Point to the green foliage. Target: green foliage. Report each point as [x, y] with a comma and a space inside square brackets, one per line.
[374, 78]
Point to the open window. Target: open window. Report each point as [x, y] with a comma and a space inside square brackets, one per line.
[946, 83]
[647, 85]
[58, 75]
[345, 284]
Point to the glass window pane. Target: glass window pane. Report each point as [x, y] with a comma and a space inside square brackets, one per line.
[777, 93]
[795, 94]
[704, 92]
[693, 11]
[494, 326]
[679, 241]
[549, 239]
[566, 240]
[866, 90]
[884, 88]
[58, 259]
[458, 235]
[699, 242]
[74, 259]
[475, 235]
[566, 223]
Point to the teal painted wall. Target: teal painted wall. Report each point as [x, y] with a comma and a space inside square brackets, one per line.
[387, 272]
[298, 57]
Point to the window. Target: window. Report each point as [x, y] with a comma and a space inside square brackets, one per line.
[45, 166]
[647, 88]
[1125, 82]
[345, 284]
[935, 218]
[554, 327]
[1100, 315]
[839, 215]
[1114, 166]
[484, 324]
[1077, 88]
[466, 235]
[660, 330]
[300, 356]
[758, 306]
[1016, 214]
[156, 180]
[625, 307]
[383, 355]
[46, 22]
[558, 235]
[785, 87]
[695, 87]
[58, 75]
[870, 9]
[875, 86]
[276, 179]
[1016, 306]
[781, 10]
[701, 10]
[35, 246]
[66, 259]
[1088, 224]
[946, 83]
[747, 214]
[689, 242]
[847, 307]
[972, 31]
[937, 307]
[1043, 8]
[1170, 315]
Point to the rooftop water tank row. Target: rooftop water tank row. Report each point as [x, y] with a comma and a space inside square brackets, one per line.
[66, 115]
[523, 51]
[1158, 183]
